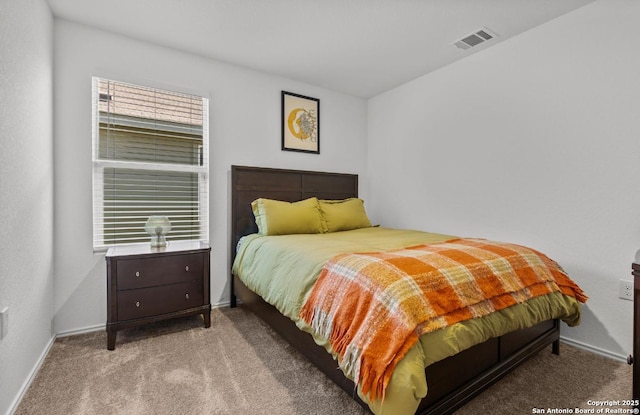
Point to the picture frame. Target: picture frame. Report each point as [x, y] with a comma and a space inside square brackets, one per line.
[300, 123]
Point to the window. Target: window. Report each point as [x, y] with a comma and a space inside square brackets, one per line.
[150, 157]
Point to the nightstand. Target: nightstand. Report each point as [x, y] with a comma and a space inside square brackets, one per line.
[146, 284]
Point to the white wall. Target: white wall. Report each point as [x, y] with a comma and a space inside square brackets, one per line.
[26, 190]
[244, 130]
[536, 141]
[533, 141]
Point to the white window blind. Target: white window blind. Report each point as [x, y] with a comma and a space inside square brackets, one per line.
[150, 157]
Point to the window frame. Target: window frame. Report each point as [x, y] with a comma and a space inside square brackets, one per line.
[100, 164]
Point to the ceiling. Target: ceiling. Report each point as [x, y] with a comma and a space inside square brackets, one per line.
[358, 47]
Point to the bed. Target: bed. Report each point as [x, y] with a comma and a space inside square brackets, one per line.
[452, 381]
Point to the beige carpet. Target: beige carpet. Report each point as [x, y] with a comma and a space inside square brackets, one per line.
[239, 366]
[549, 381]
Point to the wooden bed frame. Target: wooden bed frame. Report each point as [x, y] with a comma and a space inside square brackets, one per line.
[451, 382]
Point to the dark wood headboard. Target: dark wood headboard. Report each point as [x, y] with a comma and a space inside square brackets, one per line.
[251, 183]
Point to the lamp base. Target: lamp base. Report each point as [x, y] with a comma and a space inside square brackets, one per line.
[158, 241]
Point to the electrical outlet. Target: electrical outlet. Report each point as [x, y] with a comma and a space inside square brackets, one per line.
[4, 322]
[626, 290]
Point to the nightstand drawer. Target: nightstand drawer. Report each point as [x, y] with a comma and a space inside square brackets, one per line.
[150, 272]
[152, 301]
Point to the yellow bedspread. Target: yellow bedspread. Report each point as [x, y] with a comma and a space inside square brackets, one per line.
[283, 269]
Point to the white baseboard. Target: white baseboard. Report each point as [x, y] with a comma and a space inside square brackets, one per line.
[88, 329]
[99, 327]
[593, 349]
[32, 375]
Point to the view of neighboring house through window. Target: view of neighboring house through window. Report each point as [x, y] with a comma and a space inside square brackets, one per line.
[150, 157]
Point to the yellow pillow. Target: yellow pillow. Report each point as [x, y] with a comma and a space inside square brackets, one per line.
[275, 217]
[344, 215]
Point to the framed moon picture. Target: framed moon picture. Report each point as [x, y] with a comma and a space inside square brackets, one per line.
[300, 123]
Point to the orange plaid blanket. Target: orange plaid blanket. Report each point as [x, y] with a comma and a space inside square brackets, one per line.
[374, 306]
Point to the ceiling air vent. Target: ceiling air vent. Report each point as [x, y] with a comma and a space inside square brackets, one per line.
[475, 39]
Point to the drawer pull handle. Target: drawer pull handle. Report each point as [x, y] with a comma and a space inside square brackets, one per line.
[186, 296]
[137, 303]
[137, 273]
[186, 268]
